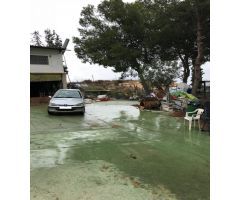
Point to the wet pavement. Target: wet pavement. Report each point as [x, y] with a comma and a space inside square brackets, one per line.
[116, 152]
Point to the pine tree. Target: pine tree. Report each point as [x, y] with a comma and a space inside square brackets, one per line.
[52, 39]
[36, 39]
[49, 37]
[58, 41]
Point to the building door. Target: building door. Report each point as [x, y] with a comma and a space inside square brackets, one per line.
[42, 89]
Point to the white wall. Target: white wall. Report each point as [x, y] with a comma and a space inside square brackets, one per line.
[54, 58]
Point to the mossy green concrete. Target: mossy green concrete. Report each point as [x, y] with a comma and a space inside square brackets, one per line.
[154, 148]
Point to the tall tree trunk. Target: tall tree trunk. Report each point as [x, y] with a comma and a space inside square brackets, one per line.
[144, 83]
[186, 68]
[186, 73]
[193, 58]
[200, 56]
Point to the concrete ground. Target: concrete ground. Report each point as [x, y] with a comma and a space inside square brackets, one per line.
[116, 152]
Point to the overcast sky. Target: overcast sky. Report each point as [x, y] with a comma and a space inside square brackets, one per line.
[63, 16]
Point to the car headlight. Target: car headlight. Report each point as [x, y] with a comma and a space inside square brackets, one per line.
[52, 104]
[79, 104]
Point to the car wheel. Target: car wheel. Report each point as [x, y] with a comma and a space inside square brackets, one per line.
[50, 113]
[83, 112]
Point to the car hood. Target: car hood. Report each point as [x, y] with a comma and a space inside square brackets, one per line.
[66, 101]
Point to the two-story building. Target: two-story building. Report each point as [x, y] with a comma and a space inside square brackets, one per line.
[47, 70]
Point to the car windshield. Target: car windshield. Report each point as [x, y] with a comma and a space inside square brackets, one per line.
[67, 94]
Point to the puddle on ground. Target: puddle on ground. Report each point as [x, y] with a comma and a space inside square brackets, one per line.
[92, 180]
[152, 146]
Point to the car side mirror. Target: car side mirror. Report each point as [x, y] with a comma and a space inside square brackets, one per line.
[49, 97]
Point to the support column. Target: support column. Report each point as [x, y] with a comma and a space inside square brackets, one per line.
[64, 81]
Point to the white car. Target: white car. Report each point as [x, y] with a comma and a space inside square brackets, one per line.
[67, 101]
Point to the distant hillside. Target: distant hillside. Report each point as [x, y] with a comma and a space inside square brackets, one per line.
[116, 88]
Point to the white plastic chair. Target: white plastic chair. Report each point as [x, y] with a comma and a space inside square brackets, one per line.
[196, 114]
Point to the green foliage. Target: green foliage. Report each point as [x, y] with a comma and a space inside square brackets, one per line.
[162, 74]
[135, 37]
[36, 39]
[179, 30]
[52, 39]
[49, 37]
[117, 34]
[58, 41]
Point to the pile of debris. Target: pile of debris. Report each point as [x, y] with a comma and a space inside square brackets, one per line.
[177, 101]
[179, 104]
[150, 103]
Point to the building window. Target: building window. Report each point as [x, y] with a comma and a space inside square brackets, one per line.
[39, 60]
